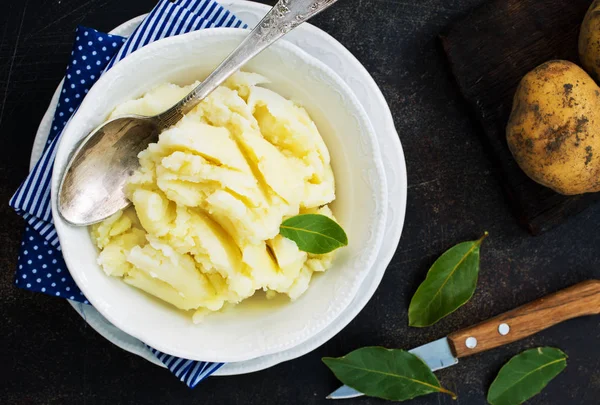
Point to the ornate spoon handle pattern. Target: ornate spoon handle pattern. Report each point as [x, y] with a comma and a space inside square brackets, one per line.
[281, 19]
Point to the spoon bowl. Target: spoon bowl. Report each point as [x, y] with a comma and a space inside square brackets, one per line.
[92, 188]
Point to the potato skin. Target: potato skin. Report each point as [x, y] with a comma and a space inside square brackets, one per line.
[589, 41]
[553, 128]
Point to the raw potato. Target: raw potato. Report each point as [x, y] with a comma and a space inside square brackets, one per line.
[589, 41]
[552, 130]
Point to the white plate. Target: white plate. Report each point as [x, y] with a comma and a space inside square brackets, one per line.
[258, 327]
[321, 45]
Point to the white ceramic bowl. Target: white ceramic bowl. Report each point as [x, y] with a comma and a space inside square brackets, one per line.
[256, 328]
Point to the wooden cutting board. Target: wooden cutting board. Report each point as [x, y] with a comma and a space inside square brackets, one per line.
[489, 51]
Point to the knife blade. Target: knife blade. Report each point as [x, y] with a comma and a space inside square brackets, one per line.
[579, 300]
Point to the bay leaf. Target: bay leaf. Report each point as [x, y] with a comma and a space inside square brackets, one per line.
[449, 284]
[391, 374]
[314, 233]
[525, 375]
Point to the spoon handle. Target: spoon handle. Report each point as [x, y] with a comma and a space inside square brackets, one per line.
[281, 19]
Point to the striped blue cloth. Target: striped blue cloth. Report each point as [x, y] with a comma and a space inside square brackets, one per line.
[41, 267]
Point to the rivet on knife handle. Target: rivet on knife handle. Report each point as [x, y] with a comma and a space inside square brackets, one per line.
[578, 300]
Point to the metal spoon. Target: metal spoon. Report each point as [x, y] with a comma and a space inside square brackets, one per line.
[92, 187]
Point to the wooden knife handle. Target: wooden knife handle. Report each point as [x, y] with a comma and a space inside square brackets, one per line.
[578, 300]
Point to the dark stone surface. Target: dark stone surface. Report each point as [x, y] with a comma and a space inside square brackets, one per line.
[49, 355]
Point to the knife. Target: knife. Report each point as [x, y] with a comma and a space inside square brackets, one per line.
[579, 300]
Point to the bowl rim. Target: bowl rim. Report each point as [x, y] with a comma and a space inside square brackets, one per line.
[145, 335]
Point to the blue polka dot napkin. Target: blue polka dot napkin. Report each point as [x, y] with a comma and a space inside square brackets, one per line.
[41, 267]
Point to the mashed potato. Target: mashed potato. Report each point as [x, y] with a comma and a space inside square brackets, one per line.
[210, 195]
